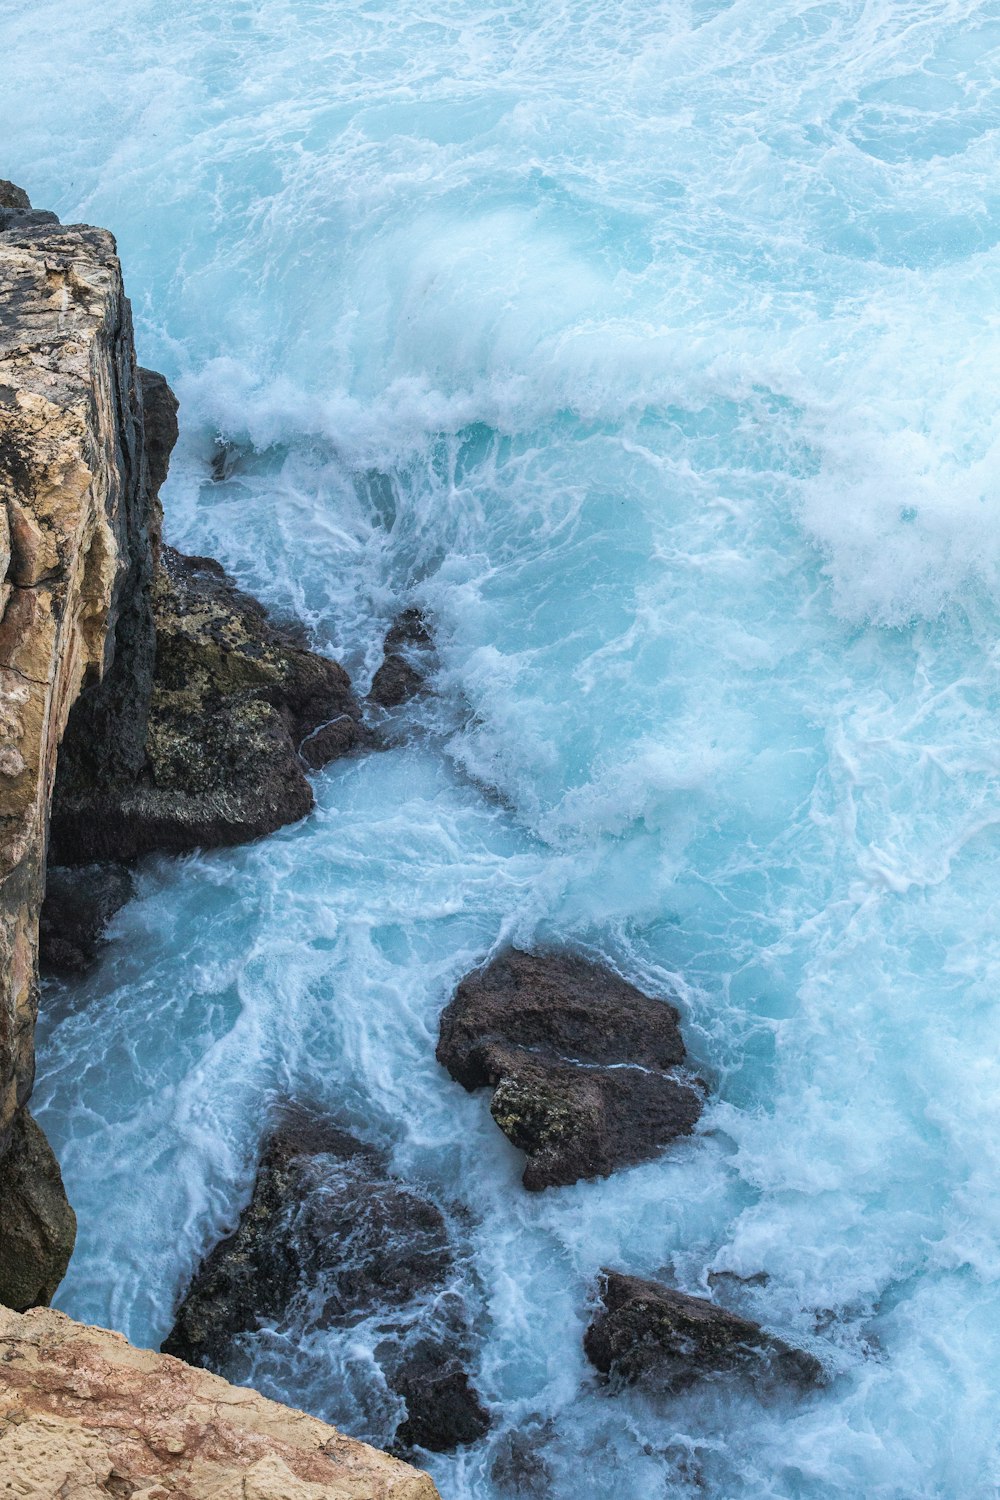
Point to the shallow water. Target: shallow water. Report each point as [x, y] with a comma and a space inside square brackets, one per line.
[651, 350]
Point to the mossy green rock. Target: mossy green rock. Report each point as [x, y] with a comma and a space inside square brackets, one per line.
[239, 709]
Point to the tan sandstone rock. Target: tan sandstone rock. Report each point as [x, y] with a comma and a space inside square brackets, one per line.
[71, 472]
[85, 1416]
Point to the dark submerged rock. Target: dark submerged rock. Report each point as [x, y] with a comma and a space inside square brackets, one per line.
[79, 903]
[403, 671]
[330, 1237]
[443, 1409]
[581, 1064]
[649, 1332]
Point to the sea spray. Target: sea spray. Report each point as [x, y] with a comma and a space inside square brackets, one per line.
[648, 350]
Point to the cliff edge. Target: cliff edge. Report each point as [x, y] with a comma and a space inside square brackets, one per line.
[83, 1413]
[72, 495]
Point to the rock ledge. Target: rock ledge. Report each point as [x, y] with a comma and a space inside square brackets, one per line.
[84, 1414]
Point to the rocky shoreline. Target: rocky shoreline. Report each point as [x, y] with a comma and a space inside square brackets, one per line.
[147, 703]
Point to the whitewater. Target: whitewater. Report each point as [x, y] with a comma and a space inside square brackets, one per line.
[653, 350]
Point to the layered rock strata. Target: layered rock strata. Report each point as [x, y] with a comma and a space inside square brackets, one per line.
[328, 1239]
[84, 1414]
[72, 496]
[649, 1332]
[583, 1066]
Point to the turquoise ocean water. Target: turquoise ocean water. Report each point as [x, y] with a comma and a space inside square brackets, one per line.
[653, 350]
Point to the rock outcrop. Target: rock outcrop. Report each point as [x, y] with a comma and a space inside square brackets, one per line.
[85, 1415]
[329, 1238]
[649, 1332]
[582, 1065]
[72, 483]
[238, 708]
[406, 649]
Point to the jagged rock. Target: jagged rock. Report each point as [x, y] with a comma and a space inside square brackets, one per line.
[330, 1237]
[581, 1063]
[72, 498]
[402, 675]
[39, 1227]
[85, 1415]
[203, 752]
[16, 211]
[159, 423]
[648, 1331]
[79, 903]
[233, 697]
[12, 196]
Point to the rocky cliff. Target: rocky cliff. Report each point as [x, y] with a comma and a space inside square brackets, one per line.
[84, 1414]
[72, 482]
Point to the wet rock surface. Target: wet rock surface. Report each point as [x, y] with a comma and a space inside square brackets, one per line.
[402, 674]
[581, 1063]
[39, 1227]
[233, 697]
[79, 903]
[648, 1332]
[328, 1238]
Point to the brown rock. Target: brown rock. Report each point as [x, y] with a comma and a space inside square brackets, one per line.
[648, 1331]
[71, 497]
[582, 1064]
[84, 1414]
[402, 673]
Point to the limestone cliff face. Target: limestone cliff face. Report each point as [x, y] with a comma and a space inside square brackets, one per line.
[72, 503]
[84, 1414]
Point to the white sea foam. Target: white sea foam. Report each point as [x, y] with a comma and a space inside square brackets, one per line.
[651, 349]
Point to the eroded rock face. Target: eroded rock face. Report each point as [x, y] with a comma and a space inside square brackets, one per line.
[84, 1414]
[73, 491]
[582, 1064]
[327, 1239]
[650, 1332]
[233, 698]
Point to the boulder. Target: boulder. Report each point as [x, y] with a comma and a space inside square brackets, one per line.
[234, 698]
[649, 1332]
[402, 673]
[328, 1238]
[582, 1065]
